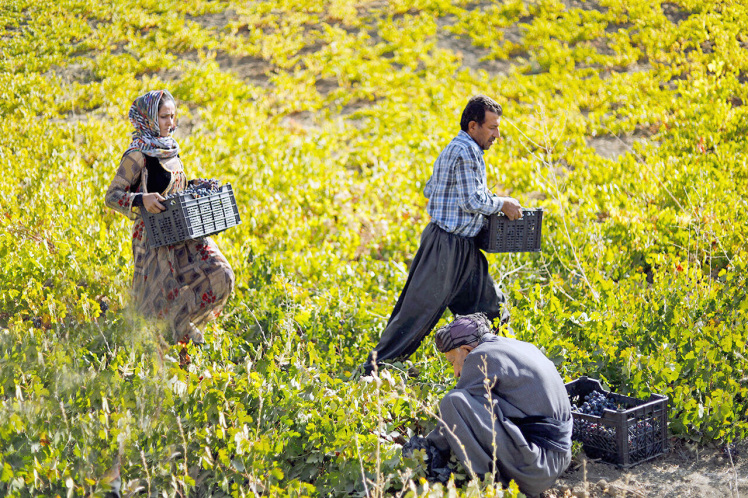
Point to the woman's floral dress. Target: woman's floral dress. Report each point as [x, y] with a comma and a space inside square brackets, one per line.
[186, 283]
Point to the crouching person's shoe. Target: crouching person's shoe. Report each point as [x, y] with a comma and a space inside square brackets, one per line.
[437, 461]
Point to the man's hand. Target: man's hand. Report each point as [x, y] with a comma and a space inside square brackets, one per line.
[152, 203]
[511, 208]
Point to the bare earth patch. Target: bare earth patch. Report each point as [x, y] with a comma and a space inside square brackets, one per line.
[472, 56]
[684, 471]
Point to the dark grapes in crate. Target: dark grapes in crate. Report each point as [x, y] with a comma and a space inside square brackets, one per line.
[616, 428]
[595, 403]
[201, 187]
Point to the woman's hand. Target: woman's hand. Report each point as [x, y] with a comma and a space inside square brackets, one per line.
[152, 203]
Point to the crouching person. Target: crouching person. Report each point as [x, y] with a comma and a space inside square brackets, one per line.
[509, 413]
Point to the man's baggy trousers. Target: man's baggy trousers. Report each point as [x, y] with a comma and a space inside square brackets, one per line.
[448, 271]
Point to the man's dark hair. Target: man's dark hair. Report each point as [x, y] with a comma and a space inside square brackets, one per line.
[476, 108]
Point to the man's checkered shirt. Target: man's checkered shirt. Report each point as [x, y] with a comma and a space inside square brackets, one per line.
[458, 196]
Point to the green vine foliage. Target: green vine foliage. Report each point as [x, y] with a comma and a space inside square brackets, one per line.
[326, 118]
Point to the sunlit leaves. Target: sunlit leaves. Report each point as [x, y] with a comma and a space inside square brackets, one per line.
[326, 118]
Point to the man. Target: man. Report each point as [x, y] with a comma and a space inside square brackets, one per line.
[449, 271]
[509, 413]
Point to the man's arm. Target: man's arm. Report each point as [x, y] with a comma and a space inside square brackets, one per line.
[477, 378]
[478, 374]
[473, 196]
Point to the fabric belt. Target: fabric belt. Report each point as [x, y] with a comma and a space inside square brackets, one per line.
[546, 432]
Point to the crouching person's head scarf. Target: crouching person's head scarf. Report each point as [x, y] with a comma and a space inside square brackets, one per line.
[465, 330]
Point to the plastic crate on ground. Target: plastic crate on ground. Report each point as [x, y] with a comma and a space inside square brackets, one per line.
[501, 234]
[635, 433]
[187, 217]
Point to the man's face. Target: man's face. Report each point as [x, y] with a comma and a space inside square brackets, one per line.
[485, 134]
[457, 358]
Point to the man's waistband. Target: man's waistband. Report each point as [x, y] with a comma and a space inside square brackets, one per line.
[440, 227]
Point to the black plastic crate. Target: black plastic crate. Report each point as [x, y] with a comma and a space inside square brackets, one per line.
[188, 217]
[501, 234]
[634, 433]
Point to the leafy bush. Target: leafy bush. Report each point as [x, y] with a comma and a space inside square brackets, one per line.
[625, 122]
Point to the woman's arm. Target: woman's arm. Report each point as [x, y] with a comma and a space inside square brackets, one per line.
[121, 195]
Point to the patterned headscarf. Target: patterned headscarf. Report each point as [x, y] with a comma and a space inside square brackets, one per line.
[464, 330]
[144, 117]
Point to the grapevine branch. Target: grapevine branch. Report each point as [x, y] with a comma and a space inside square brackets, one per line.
[556, 192]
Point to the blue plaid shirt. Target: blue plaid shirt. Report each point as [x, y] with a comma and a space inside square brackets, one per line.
[458, 196]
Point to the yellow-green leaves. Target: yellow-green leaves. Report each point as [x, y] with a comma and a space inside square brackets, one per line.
[626, 122]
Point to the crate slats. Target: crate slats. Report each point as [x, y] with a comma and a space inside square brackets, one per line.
[500, 234]
[187, 217]
[626, 437]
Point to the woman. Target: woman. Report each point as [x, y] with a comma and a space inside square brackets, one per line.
[186, 283]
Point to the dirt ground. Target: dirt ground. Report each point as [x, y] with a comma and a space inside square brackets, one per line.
[684, 471]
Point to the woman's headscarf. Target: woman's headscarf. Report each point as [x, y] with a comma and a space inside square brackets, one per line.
[464, 330]
[144, 117]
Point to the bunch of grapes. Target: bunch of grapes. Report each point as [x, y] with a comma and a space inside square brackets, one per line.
[595, 403]
[643, 434]
[201, 187]
[601, 437]
[597, 430]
